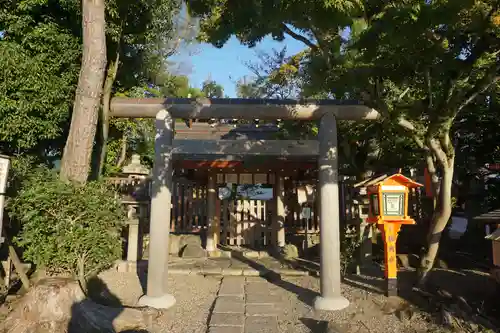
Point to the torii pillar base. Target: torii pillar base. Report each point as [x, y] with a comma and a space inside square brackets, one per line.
[331, 303]
[161, 302]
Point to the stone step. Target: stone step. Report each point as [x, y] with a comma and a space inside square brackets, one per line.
[124, 266]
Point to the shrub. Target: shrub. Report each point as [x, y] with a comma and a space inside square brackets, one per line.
[349, 247]
[67, 228]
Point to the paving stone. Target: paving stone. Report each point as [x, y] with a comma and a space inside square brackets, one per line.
[227, 319]
[234, 279]
[262, 298]
[255, 279]
[260, 288]
[261, 325]
[234, 271]
[196, 271]
[212, 270]
[225, 329]
[229, 304]
[292, 272]
[253, 272]
[232, 287]
[262, 310]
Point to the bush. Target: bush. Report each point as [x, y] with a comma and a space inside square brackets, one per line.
[67, 228]
[349, 247]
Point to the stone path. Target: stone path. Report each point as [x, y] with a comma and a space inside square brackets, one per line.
[245, 305]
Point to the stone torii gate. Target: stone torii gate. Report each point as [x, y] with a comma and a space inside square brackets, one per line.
[166, 110]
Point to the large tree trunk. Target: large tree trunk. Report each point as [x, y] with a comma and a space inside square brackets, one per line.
[77, 155]
[440, 218]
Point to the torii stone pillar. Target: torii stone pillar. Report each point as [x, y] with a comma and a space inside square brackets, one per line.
[278, 221]
[159, 230]
[330, 279]
[212, 237]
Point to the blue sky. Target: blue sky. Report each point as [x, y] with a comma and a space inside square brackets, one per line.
[226, 65]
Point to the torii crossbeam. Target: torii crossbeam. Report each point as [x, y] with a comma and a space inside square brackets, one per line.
[238, 108]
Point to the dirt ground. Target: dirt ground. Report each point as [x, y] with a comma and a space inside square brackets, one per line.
[437, 310]
[370, 311]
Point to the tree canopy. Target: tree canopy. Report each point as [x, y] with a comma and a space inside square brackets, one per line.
[39, 57]
[421, 64]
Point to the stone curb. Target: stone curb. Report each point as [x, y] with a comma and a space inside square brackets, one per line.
[125, 266]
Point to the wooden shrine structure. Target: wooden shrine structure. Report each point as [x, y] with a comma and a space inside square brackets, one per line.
[243, 161]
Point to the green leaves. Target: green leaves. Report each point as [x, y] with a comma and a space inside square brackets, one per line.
[211, 89]
[36, 88]
[39, 58]
[63, 224]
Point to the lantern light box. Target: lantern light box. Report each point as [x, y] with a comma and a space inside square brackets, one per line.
[389, 199]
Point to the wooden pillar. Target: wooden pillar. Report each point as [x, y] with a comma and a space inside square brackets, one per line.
[161, 197]
[217, 217]
[330, 278]
[211, 213]
[278, 222]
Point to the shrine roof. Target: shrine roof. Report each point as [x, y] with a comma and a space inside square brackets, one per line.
[380, 179]
[224, 131]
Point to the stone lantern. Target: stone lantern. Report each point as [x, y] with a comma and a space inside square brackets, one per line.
[136, 201]
[135, 169]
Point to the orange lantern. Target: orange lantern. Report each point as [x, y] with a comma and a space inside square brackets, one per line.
[388, 209]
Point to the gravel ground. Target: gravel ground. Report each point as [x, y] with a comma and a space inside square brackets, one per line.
[194, 294]
[365, 313]
[369, 312]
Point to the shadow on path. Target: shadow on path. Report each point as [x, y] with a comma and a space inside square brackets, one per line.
[315, 326]
[102, 311]
[304, 295]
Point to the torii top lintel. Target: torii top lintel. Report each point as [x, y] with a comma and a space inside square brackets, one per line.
[237, 108]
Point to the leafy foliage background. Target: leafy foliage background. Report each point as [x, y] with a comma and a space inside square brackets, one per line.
[66, 228]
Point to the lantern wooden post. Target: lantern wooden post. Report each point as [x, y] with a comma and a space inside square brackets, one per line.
[388, 198]
[390, 235]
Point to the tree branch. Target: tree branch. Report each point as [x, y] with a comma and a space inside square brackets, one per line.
[446, 144]
[438, 152]
[429, 87]
[481, 87]
[123, 152]
[431, 168]
[299, 37]
[402, 121]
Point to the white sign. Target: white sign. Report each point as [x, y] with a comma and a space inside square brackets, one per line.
[393, 204]
[306, 213]
[4, 173]
[305, 194]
